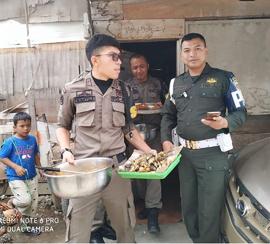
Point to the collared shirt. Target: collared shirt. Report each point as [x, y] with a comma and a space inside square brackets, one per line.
[147, 92]
[99, 119]
[211, 91]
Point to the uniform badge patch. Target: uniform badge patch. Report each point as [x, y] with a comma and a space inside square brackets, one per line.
[89, 82]
[84, 99]
[84, 96]
[234, 81]
[118, 93]
[211, 81]
[133, 112]
[84, 93]
[117, 99]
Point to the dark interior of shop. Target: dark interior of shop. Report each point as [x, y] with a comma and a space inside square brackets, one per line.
[160, 55]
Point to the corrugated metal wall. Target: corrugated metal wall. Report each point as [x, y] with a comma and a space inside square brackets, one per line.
[43, 66]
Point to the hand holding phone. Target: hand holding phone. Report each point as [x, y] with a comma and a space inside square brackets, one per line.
[215, 120]
[212, 115]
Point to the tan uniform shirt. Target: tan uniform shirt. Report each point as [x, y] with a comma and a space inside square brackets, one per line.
[99, 118]
[146, 92]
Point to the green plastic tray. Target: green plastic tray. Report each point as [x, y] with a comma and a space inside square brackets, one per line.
[151, 175]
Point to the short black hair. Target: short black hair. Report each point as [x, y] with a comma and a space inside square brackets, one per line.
[21, 116]
[98, 41]
[191, 36]
[138, 55]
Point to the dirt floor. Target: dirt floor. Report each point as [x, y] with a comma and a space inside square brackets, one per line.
[49, 221]
[52, 226]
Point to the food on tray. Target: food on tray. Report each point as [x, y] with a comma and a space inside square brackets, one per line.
[149, 163]
[147, 106]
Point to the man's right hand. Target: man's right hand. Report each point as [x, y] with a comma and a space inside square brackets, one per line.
[167, 146]
[68, 157]
[20, 171]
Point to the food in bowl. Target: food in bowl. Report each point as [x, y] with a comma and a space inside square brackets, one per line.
[94, 177]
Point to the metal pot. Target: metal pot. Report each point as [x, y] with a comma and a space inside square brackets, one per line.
[95, 175]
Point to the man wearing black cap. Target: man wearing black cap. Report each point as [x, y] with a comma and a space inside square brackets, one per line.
[99, 105]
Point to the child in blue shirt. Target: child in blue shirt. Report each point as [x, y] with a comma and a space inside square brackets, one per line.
[20, 154]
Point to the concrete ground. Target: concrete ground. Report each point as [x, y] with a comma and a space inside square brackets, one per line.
[52, 225]
[170, 233]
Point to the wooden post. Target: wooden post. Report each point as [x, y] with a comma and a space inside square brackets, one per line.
[32, 111]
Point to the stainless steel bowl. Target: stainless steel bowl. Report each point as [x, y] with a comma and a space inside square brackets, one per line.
[94, 174]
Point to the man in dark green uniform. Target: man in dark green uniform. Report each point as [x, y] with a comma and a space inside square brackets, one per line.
[204, 167]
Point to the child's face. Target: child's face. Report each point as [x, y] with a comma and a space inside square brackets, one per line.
[22, 128]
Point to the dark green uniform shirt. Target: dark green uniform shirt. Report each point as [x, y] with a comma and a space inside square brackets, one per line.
[192, 98]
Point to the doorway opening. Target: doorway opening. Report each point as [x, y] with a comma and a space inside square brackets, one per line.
[161, 56]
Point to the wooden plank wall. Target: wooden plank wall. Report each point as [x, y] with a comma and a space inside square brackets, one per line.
[186, 9]
[158, 19]
[42, 66]
[108, 17]
[47, 102]
[44, 10]
[142, 29]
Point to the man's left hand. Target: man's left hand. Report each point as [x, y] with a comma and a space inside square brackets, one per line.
[217, 123]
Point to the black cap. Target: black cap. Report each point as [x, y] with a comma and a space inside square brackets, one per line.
[100, 40]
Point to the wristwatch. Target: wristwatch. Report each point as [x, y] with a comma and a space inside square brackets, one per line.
[65, 150]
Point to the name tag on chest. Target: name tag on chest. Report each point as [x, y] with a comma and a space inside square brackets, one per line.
[84, 99]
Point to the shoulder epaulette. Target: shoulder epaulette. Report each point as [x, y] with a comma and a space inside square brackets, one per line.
[79, 78]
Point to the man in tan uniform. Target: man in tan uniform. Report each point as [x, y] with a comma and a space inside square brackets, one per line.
[147, 89]
[98, 104]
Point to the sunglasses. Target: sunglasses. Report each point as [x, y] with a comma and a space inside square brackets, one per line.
[115, 56]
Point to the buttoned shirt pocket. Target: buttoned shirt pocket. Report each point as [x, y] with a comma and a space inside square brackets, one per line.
[213, 92]
[85, 114]
[181, 97]
[211, 99]
[118, 114]
[180, 93]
